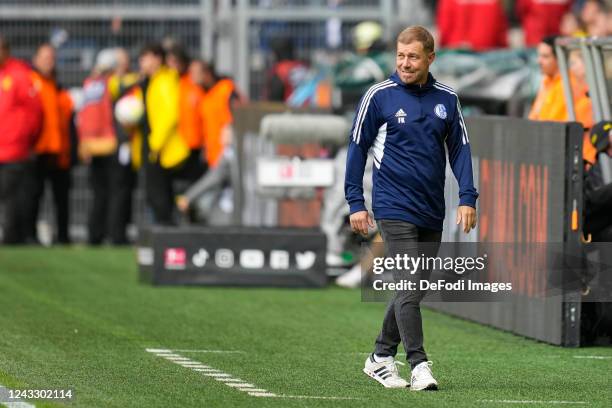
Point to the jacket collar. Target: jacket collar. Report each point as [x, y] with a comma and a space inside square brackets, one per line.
[413, 87]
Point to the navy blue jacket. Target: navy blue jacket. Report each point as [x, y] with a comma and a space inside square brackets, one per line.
[406, 128]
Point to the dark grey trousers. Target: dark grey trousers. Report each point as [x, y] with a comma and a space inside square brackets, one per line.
[402, 320]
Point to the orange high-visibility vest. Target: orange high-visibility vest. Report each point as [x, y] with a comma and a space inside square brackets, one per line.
[216, 113]
[549, 104]
[57, 112]
[190, 116]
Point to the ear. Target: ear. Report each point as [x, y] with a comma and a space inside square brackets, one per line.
[431, 57]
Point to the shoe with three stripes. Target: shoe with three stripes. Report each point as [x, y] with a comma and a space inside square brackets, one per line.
[422, 378]
[385, 371]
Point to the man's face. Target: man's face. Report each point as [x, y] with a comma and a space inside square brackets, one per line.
[546, 60]
[196, 73]
[123, 61]
[412, 62]
[149, 63]
[44, 60]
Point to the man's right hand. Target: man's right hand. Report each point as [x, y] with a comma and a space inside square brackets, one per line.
[360, 221]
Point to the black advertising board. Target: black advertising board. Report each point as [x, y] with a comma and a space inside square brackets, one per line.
[232, 256]
[529, 176]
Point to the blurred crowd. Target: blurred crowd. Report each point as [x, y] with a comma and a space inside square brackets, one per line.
[484, 24]
[168, 123]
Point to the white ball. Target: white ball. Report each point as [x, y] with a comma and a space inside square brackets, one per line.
[129, 110]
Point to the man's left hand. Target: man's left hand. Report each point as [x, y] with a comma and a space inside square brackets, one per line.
[467, 215]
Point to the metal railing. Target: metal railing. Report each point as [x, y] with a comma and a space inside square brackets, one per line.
[597, 56]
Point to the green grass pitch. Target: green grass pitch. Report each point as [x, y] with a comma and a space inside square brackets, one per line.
[78, 318]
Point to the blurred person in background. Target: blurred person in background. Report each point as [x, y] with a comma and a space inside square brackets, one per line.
[477, 25]
[369, 64]
[583, 107]
[21, 118]
[220, 96]
[286, 73]
[53, 148]
[541, 18]
[190, 123]
[126, 160]
[164, 149]
[549, 103]
[593, 15]
[572, 26]
[600, 26]
[98, 141]
[597, 193]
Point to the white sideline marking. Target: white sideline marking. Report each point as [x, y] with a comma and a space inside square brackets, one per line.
[152, 350]
[210, 351]
[4, 395]
[533, 402]
[595, 357]
[227, 379]
[240, 385]
[315, 397]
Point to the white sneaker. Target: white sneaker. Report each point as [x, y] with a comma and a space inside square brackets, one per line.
[350, 279]
[385, 372]
[422, 378]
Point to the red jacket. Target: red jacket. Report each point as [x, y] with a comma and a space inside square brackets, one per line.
[95, 119]
[478, 25]
[20, 111]
[541, 18]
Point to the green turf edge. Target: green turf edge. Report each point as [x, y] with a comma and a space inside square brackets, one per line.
[12, 383]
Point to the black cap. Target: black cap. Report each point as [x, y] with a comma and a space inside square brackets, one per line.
[600, 135]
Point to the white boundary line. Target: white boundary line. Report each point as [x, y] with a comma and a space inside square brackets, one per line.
[210, 351]
[206, 370]
[595, 357]
[227, 379]
[532, 402]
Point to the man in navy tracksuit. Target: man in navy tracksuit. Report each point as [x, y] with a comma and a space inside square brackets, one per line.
[406, 122]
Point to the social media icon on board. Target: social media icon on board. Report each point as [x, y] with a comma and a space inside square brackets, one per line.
[224, 258]
[279, 259]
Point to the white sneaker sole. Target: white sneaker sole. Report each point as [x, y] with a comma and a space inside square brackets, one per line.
[380, 380]
[427, 387]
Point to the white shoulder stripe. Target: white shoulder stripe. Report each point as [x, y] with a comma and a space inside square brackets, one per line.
[363, 103]
[446, 87]
[363, 108]
[450, 91]
[392, 84]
